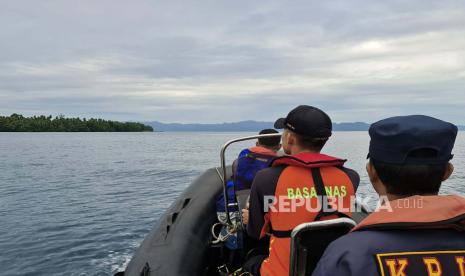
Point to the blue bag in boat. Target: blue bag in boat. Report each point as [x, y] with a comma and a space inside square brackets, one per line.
[233, 240]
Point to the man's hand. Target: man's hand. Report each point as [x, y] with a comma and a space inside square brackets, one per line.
[245, 216]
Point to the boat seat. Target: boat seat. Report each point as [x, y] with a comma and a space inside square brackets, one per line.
[309, 241]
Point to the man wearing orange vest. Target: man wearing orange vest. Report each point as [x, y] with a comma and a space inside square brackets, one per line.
[289, 192]
[417, 232]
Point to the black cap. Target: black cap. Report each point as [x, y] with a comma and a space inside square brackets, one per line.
[308, 121]
[395, 140]
[269, 141]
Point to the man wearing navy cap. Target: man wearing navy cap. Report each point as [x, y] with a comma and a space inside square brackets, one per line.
[421, 233]
[301, 176]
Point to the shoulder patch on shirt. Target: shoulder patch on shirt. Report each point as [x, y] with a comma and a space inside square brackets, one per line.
[431, 263]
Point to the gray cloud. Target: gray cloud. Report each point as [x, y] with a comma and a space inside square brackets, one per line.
[213, 61]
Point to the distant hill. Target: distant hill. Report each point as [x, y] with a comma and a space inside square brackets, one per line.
[237, 126]
[357, 126]
[249, 126]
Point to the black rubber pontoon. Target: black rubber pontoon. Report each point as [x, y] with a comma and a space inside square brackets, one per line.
[179, 244]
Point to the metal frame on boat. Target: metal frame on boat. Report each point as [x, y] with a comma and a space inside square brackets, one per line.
[224, 172]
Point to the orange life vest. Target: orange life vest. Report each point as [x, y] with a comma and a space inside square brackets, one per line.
[306, 176]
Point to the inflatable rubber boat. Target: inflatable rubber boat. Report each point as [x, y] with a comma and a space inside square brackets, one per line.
[182, 242]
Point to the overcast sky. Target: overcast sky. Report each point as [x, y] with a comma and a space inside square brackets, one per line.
[215, 61]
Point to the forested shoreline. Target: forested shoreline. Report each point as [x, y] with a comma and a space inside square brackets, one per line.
[19, 123]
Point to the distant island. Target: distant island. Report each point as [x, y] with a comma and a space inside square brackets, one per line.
[19, 123]
[249, 126]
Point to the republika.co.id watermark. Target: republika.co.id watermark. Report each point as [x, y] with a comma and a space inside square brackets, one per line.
[344, 204]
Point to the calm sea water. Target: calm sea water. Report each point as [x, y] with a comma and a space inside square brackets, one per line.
[80, 203]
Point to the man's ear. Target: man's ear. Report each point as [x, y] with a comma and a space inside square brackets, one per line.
[291, 139]
[374, 179]
[449, 171]
[372, 174]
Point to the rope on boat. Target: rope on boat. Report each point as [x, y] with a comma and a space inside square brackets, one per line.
[220, 238]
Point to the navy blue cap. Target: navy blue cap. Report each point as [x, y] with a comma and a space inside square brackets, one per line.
[393, 140]
[308, 121]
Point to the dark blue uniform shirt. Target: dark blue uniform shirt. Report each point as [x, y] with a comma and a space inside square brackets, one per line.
[357, 252]
[420, 240]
